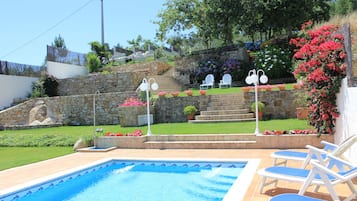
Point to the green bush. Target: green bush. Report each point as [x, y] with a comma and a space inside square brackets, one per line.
[46, 86]
[93, 63]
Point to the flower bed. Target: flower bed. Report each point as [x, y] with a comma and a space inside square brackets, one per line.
[135, 133]
[291, 132]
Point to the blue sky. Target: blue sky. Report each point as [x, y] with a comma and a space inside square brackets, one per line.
[28, 26]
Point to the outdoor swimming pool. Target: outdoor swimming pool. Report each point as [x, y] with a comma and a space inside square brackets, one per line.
[149, 180]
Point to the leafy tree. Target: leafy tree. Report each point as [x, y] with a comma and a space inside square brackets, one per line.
[136, 43]
[178, 16]
[102, 51]
[93, 62]
[59, 42]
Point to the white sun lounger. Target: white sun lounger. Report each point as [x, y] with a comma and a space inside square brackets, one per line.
[281, 157]
[320, 174]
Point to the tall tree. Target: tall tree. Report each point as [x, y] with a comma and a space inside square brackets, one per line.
[59, 42]
[222, 16]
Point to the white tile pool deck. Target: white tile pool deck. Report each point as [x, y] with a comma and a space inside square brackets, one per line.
[17, 176]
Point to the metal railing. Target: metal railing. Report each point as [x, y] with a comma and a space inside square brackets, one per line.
[61, 55]
[10, 68]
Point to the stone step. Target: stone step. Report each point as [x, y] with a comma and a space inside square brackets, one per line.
[223, 112]
[166, 83]
[225, 117]
[221, 121]
[232, 104]
[226, 107]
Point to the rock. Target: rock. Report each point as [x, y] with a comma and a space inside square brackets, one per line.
[39, 112]
[79, 144]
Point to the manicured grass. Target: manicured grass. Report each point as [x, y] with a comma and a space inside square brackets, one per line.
[18, 156]
[21, 147]
[68, 135]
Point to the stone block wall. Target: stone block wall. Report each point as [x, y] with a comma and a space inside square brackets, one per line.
[104, 83]
[70, 110]
[278, 104]
[171, 109]
[78, 110]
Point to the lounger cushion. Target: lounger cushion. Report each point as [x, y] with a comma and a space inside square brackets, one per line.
[293, 197]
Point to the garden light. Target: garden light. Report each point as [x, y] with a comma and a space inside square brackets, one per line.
[253, 78]
[145, 86]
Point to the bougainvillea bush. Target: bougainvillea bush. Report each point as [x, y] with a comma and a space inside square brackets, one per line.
[320, 64]
[132, 101]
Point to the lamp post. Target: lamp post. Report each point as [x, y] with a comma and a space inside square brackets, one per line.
[253, 78]
[145, 86]
[97, 93]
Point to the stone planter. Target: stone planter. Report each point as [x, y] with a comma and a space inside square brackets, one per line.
[128, 116]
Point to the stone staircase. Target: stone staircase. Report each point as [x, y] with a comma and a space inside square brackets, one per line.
[225, 108]
[167, 82]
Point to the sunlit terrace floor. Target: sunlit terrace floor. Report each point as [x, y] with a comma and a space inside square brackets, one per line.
[20, 175]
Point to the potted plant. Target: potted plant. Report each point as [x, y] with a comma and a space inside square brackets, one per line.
[203, 92]
[281, 87]
[189, 92]
[301, 102]
[190, 111]
[261, 108]
[175, 93]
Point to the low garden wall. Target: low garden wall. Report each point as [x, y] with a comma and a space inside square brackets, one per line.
[213, 141]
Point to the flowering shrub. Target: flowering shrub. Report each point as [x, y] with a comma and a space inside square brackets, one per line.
[320, 57]
[135, 133]
[234, 68]
[281, 132]
[275, 61]
[132, 101]
[206, 67]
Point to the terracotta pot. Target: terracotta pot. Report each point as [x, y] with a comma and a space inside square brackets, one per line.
[302, 112]
[191, 117]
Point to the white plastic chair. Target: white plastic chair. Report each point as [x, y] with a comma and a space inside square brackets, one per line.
[208, 82]
[226, 81]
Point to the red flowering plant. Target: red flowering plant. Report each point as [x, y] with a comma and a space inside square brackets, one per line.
[136, 133]
[132, 101]
[320, 63]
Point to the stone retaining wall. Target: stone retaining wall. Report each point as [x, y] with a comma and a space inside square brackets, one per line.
[278, 104]
[171, 109]
[70, 110]
[104, 83]
[78, 110]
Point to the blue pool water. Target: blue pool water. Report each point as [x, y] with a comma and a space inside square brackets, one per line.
[129, 180]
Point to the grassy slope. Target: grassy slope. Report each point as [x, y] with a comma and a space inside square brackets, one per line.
[17, 156]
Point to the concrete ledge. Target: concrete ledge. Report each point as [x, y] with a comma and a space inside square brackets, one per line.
[228, 141]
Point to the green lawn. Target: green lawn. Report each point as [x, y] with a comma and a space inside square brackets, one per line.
[21, 147]
[18, 156]
[68, 135]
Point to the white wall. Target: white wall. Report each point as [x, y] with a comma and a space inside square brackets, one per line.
[12, 87]
[62, 70]
[346, 124]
